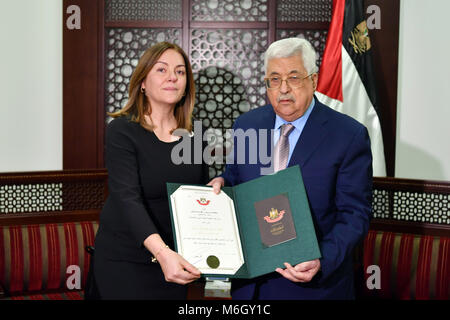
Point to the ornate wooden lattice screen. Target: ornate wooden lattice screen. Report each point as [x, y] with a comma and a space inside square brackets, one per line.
[411, 200]
[66, 194]
[224, 39]
[57, 196]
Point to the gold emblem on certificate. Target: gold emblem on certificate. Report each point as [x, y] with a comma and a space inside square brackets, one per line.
[213, 262]
[275, 220]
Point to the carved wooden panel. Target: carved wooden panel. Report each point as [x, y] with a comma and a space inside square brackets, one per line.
[422, 207]
[317, 38]
[229, 10]
[116, 10]
[20, 198]
[237, 51]
[228, 68]
[411, 200]
[304, 11]
[381, 204]
[53, 191]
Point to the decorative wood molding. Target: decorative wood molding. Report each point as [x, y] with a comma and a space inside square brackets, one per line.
[429, 229]
[18, 219]
[83, 193]
[228, 25]
[52, 196]
[143, 24]
[413, 185]
[303, 25]
[53, 176]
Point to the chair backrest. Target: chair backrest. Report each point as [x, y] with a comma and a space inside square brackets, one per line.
[42, 257]
[412, 266]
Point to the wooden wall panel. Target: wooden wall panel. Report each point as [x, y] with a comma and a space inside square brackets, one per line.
[385, 59]
[81, 125]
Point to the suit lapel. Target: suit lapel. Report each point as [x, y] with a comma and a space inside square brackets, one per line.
[267, 123]
[312, 135]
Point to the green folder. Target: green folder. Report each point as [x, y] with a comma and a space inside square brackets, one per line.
[274, 222]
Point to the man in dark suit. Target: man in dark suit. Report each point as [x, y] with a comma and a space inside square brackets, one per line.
[333, 152]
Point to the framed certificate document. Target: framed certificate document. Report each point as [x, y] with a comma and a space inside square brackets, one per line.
[247, 230]
[207, 230]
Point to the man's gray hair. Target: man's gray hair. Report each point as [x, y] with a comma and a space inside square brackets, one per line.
[292, 46]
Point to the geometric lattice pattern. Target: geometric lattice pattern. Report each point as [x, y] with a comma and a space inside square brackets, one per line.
[220, 99]
[317, 38]
[228, 68]
[116, 10]
[411, 206]
[124, 47]
[239, 51]
[229, 10]
[381, 204]
[56, 195]
[86, 195]
[304, 11]
[31, 198]
[422, 207]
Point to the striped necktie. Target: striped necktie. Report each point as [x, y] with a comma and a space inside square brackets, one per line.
[282, 147]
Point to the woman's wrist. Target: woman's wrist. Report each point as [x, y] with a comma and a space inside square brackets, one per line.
[155, 245]
[155, 257]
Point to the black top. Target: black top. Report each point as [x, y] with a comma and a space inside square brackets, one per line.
[139, 165]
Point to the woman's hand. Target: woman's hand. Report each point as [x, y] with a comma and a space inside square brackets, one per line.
[175, 268]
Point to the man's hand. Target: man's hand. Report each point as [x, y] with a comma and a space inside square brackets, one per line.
[302, 272]
[217, 184]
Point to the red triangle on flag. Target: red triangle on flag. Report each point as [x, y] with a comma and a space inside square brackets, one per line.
[330, 74]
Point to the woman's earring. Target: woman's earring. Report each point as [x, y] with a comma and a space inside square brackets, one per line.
[142, 90]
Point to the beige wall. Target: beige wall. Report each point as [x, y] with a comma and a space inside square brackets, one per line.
[423, 130]
[30, 85]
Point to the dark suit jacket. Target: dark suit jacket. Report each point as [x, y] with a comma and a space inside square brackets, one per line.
[334, 155]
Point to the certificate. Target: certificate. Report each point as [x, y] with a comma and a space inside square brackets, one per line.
[207, 233]
[247, 230]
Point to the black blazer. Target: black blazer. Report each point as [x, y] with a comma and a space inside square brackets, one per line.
[139, 165]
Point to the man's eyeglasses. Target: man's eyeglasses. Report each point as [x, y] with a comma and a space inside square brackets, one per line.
[275, 82]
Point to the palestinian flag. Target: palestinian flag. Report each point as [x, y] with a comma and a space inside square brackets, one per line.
[346, 77]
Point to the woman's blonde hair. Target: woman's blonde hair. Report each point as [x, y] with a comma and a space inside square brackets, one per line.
[138, 105]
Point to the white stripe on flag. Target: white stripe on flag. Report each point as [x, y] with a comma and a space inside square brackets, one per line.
[357, 105]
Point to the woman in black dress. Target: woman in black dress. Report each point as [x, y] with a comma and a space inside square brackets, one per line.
[135, 221]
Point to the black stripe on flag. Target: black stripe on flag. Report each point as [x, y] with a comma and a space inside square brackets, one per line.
[355, 39]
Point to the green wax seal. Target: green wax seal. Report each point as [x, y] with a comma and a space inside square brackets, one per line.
[213, 262]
